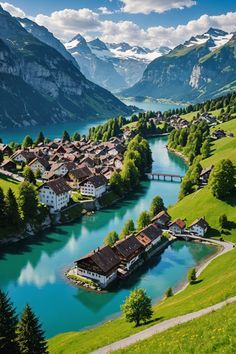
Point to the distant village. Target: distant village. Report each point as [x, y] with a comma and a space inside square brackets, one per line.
[108, 263]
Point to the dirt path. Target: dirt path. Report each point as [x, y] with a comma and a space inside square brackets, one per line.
[161, 327]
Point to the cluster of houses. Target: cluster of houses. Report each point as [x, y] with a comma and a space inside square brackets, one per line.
[63, 167]
[107, 263]
[177, 122]
[206, 117]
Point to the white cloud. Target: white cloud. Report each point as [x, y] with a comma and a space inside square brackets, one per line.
[159, 6]
[67, 23]
[166, 36]
[104, 10]
[14, 11]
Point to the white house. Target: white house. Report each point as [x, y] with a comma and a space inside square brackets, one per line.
[24, 156]
[94, 186]
[100, 266]
[199, 227]
[39, 163]
[61, 169]
[149, 236]
[177, 226]
[55, 194]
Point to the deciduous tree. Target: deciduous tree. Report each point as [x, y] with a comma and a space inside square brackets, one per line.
[137, 307]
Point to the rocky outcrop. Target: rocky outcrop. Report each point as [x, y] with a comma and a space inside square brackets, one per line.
[39, 85]
[202, 68]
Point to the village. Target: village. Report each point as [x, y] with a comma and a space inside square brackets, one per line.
[109, 263]
[63, 168]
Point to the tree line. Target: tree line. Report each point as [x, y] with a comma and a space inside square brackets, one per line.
[137, 162]
[20, 335]
[192, 141]
[18, 211]
[143, 220]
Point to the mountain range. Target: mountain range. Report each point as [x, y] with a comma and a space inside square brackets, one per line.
[114, 66]
[203, 67]
[41, 84]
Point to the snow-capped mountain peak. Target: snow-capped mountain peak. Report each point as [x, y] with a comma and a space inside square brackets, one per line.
[78, 45]
[214, 38]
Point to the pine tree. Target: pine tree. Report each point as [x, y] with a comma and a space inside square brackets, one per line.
[40, 139]
[29, 334]
[27, 142]
[76, 137]
[66, 136]
[8, 323]
[29, 175]
[27, 201]
[2, 209]
[1, 156]
[12, 212]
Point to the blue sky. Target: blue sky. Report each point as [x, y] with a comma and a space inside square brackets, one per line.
[156, 22]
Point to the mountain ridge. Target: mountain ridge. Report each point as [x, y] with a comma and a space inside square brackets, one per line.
[201, 68]
[39, 86]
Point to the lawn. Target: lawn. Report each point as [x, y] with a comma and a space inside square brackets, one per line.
[212, 333]
[225, 147]
[189, 116]
[203, 203]
[216, 283]
[8, 182]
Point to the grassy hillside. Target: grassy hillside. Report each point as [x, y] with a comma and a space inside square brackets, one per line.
[224, 148]
[203, 203]
[8, 182]
[208, 291]
[189, 116]
[212, 333]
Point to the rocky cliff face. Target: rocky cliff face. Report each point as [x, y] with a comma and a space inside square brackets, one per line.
[42, 33]
[113, 66]
[201, 68]
[39, 85]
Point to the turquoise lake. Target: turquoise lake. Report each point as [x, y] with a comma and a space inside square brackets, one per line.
[32, 271]
[56, 130]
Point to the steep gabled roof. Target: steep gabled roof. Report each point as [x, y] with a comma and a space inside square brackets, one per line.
[59, 186]
[103, 260]
[200, 222]
[128, 247]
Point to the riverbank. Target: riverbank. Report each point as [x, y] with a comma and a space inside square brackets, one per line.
[206, 292]
[178, 153]
[35, 265]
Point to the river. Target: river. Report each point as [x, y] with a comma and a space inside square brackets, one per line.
[32, 271]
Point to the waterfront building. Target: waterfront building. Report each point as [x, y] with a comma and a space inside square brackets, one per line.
[177, 226]
[94, 186]
[101, 265]
[199, 227]
[55, 194]
[149, 236]
[129, 251]
[162, 219]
